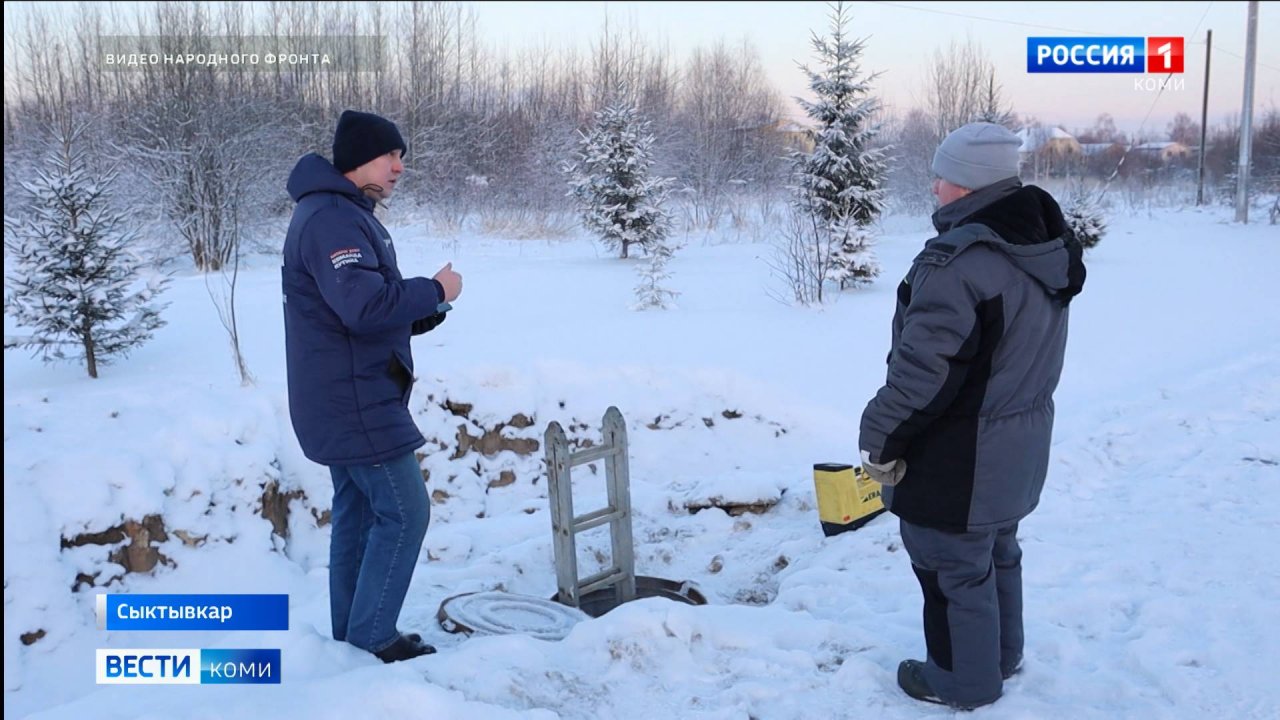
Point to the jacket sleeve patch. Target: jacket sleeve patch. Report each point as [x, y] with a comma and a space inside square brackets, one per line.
[345, 256]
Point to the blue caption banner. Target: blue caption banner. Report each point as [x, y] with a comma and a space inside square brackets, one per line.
[1086, 54]
[185, 666]
[193, 612]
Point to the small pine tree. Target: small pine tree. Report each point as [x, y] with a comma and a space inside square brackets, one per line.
[991, 107]
[1085, 218]
[610, 178]
[841, 182]
[852, 262]
[650, 291]
[71, 277]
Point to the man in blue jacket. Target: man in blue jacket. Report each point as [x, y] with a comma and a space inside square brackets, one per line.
[348, 317]
[959, 434]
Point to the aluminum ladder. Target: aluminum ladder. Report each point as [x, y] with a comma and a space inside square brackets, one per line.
[621, 575]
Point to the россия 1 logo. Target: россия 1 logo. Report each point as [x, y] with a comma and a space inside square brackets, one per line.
[1154, 54]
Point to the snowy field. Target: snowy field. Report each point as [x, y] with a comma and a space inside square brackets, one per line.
[1150, 568]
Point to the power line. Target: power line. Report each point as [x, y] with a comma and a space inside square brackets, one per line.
[1238, 55]
[992, 19]
[1203, 15]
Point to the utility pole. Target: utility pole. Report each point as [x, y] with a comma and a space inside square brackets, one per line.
[1246, 117]
[1204, 119]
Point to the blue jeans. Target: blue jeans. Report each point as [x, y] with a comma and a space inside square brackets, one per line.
[380, 515]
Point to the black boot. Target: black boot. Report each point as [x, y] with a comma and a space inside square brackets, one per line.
[404, 648]
[911, 680]
[1013, 668]
[418, 639]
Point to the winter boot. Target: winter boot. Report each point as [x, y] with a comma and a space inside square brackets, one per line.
[911, 680]
[404, 648]
[1011, 669]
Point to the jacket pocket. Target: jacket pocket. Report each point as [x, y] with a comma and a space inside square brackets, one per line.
[400, 373]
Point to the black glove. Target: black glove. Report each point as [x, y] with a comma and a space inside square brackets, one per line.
[429, 323]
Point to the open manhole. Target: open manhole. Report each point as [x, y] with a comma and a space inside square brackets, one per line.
[500, 613]
[599, 602]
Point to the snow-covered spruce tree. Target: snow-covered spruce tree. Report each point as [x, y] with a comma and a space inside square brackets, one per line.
[70, 277]
[841, 182]
[610, 178]
[853, 262]
[1084, 216]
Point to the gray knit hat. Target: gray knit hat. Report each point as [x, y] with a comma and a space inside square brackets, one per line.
[977, 155]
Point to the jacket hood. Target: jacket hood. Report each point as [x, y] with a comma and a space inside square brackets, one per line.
[314, 174]
[1025, 224]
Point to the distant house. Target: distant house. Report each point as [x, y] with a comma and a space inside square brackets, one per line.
[1048, 150]
[1166, 151]
[788, 134]
[1047, 140]
[795, 136]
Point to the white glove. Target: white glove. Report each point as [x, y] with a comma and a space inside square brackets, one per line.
[884, 473]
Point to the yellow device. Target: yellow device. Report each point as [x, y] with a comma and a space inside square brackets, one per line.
[847, 498]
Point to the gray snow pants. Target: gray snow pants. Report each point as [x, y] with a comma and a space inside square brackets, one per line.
[972, 584]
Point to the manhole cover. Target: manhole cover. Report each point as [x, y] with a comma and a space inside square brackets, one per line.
[500, 613]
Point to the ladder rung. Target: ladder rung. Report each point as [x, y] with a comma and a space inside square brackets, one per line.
[599, 580]
[599, 452]
[582, 523]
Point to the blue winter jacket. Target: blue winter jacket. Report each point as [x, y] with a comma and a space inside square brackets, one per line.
[347, 318]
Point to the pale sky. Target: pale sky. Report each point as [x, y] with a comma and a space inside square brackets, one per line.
[901, 37]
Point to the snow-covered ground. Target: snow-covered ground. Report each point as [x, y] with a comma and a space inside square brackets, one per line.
[1150, 571]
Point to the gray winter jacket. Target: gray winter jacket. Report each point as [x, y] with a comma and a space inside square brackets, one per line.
[978, 342]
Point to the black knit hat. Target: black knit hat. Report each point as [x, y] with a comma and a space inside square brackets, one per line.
[361, 137]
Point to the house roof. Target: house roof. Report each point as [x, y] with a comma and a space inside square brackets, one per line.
[1098, 148]
[1035, 138]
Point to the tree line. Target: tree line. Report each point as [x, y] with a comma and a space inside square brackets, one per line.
[206, 150]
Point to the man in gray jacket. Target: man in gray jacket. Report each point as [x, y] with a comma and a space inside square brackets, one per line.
[959, 435]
